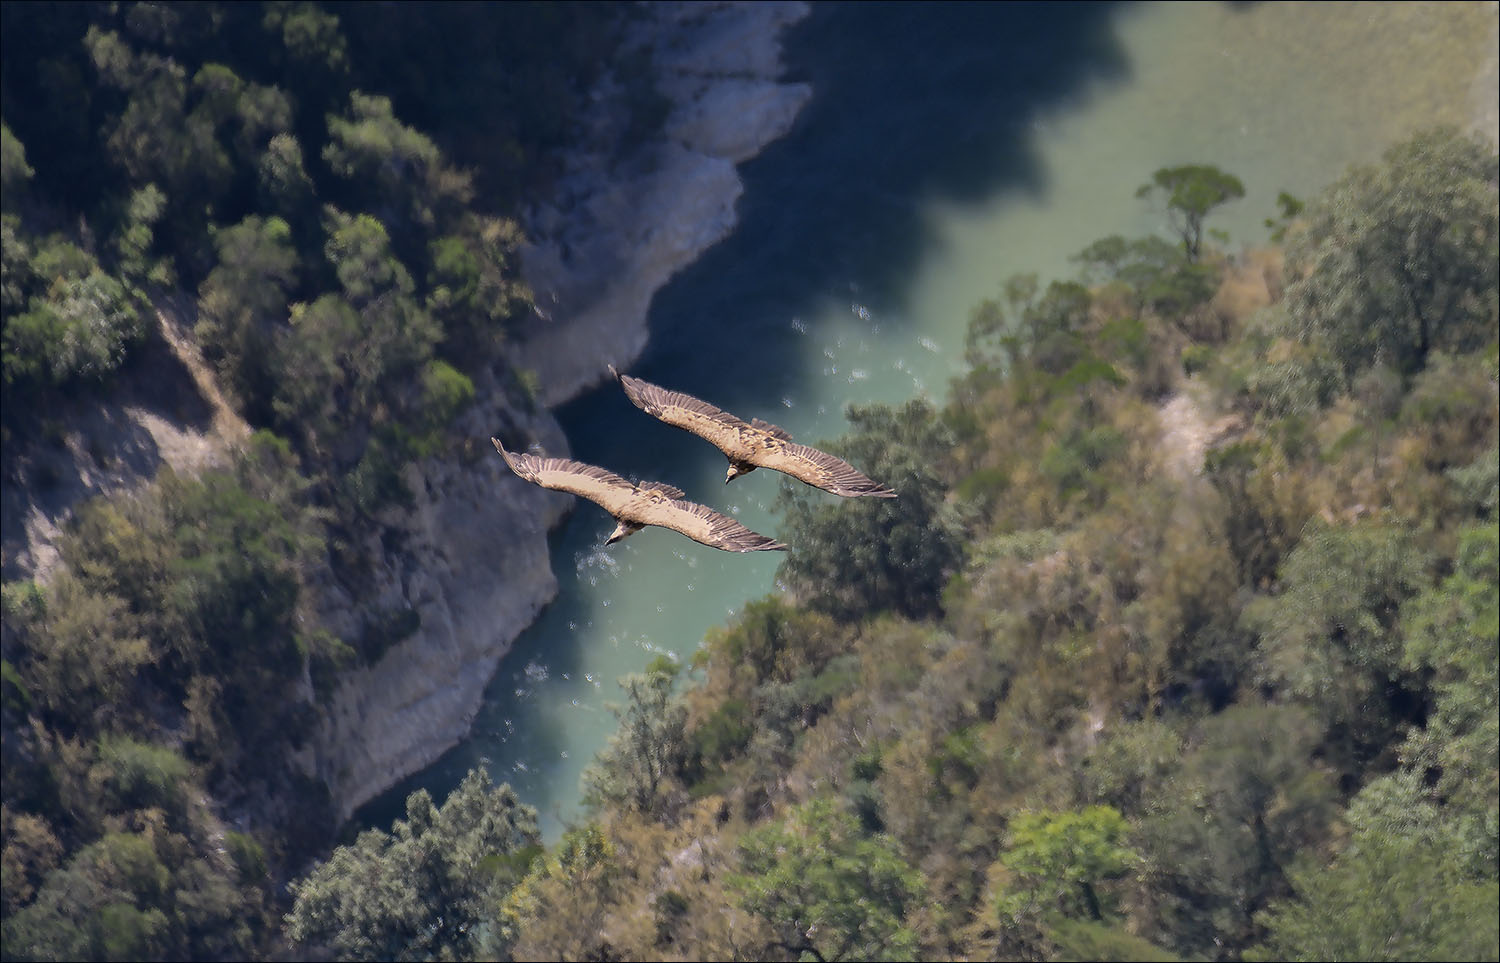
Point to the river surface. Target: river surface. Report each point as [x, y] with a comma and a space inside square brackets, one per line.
[946, 148]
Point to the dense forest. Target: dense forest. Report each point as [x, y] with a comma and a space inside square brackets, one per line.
[1180, 642]
[350, 285]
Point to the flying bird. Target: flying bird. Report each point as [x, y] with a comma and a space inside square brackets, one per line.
[750, 445]
[636, 506]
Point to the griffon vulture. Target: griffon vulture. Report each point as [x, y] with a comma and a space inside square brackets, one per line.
[750, 445]
[636, 506]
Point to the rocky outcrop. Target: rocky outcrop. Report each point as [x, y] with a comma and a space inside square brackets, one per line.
[470, 560]
[615, 231]
[164, 410]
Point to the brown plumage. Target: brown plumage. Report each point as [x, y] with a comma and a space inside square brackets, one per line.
[750, 445]
[636, 506]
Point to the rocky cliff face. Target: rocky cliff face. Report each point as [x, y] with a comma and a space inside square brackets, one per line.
[470, 559]
[615, 231]
[473, 561]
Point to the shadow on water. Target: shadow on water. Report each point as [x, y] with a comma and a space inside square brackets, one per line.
[911, 102]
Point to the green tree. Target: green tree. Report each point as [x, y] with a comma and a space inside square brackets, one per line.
[15, 173]
[473, 288]
[137, 895]
[1383, 898]
[1399, 259]
[347, 361]
[79, 652]
[242, 303]
[1161, 276]
[282, 179]
[1222, 831]
[417, 188]
[78, 322]
[1062, 861]
[209, 571]
[1453, 636]
[648, 749]
[829, 891]
[1192, 191]
[421, 891]
[866, 555]
[1331, 639]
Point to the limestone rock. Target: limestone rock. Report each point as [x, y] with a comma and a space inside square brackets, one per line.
[617, 231]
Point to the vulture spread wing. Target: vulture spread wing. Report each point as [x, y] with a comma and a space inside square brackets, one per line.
[604, 488]
[703, 524]
[715, 426]
[822, 470]
[755, 443]
[649, 503]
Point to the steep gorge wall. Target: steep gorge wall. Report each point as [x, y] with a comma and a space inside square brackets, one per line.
[471, 557]
[474, 562]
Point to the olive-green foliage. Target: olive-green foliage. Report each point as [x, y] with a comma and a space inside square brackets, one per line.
[500, 88]
[193, 136]
[243, 301]
[66, 319]
[826, 888]
[1247, 711]
[14, 171]
[1477, 484]
[348, 362]
[151, 893]
[769, 673]
[1062, 862]
[473, 290]
[1086, 940]
[185, 592]
[558, 906]
[770, 641]
[371, 147]
[860, 555]
[632, 771]
[1452, 404]
[1384, 898]
[1161, 277]
[136, 775]
[215, 148]
[82, 652]
[1225, 826]
[1050, 330]
[1331, 638]
[1397, 260]
[419, 892]
[1452, 634]
[1192, 191]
